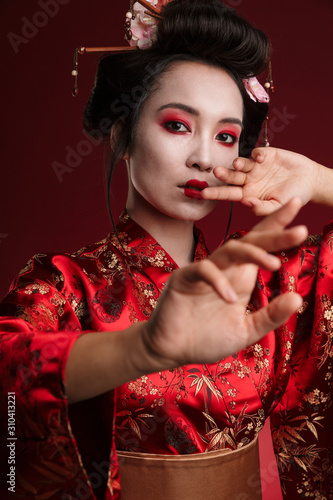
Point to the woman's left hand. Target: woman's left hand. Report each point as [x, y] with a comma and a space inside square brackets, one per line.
[267, 180]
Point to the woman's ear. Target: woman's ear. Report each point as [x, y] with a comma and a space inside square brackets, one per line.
[117, 130]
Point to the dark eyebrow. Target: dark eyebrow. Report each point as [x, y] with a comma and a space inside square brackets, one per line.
[183, 107]
[236, 121]
[193, 111]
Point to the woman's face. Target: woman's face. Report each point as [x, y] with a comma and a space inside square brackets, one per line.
[188, 126]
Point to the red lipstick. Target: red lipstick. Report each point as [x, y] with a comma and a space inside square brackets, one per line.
[193, 188]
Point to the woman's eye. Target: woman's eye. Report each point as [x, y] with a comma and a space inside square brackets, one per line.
[227, 138]
[176, 126]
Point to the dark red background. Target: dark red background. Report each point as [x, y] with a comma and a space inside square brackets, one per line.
[40, 118]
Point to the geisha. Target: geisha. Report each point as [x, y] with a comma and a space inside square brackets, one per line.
[143, 350]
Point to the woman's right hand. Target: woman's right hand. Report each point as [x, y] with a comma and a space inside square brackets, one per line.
[200, 317]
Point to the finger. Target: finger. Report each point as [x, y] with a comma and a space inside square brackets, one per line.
[273, 315]
[237, 252]
[230, 176]
[243, 164]
[205, 271]
[259, 155]
[226, 193]
[281, 218]
[260, 207]
[275, 241]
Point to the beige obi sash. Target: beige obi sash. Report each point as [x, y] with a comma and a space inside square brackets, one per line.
[216, 475]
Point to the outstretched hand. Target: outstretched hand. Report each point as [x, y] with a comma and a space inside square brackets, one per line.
[200, 317]
[267, 180]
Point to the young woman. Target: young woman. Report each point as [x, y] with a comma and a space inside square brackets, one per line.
[137, 345]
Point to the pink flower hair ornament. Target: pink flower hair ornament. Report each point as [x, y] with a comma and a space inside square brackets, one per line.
[255, 90]
[142, 24]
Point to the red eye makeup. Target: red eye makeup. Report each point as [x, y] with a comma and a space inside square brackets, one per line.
[228, 137]
[174, 122]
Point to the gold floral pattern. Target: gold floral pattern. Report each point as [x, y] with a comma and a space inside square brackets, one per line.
[191, 409]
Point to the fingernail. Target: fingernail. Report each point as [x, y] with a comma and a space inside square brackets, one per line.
[274, 260]
[230, 294]
[247, 203]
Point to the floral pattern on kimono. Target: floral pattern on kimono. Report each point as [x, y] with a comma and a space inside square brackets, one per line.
[69, 452]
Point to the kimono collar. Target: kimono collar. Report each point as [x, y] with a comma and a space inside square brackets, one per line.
[143, 248]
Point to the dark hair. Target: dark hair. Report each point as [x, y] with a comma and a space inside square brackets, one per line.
[191, 30]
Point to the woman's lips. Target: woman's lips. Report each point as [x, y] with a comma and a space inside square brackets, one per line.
[193, 188]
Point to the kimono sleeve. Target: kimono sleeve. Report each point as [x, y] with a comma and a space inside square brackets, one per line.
[40, 321]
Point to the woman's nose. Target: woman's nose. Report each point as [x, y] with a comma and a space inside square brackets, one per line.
[201, 156]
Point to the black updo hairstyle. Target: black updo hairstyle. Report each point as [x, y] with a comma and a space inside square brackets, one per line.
[191, 30]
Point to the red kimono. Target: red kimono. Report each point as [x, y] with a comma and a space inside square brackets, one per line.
[68, 452]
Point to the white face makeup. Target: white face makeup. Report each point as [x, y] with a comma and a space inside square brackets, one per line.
[187, 127]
